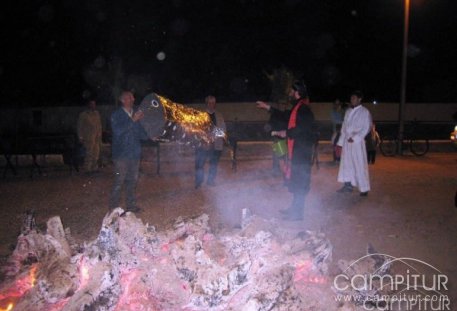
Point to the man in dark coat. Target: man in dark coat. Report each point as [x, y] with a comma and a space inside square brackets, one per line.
[126, 151]
[300, 136]
[211, 152]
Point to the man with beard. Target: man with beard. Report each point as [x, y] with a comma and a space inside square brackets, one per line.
[353, 170]
[300, 136]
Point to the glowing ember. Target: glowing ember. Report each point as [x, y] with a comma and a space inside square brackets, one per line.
[135, 294]
[21, 285]
[32, 276]
[165, 248]
[8, 308]
[304, 273]
[130, 267]
[84, 270]
[19, 288]
[127, 298]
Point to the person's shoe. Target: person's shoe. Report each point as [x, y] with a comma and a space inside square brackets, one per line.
[198, 185]
[364, 194]
[285, 211]
[345, 189]
[211, 183]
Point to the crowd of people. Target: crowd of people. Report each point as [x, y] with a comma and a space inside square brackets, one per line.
[354, 137]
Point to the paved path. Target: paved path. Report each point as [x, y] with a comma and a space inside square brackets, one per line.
[410, 211]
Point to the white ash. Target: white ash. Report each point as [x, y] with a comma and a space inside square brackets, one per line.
[130, 266]
[373, 264]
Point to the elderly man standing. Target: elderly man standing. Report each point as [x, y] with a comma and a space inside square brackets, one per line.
[353, 170]
[126, 151]
[90, 135]
[210, 152]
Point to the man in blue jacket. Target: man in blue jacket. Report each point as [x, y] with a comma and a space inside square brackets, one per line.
[126, 151]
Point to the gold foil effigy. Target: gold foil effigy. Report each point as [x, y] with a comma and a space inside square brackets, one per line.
[192, 122]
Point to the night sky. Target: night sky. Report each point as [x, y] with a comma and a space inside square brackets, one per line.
[57, 52]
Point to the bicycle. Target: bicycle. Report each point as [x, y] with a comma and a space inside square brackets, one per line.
[412, 140]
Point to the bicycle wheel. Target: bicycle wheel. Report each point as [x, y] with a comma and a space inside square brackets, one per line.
[419, 147]
[388, 146]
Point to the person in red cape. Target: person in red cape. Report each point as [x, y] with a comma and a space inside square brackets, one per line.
[300, 134]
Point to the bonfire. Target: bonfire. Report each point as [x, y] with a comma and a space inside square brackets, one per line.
[131, 266]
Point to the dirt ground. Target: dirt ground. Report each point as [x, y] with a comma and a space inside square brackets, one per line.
[409, 212]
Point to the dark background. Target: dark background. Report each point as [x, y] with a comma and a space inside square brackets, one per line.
[58, 52]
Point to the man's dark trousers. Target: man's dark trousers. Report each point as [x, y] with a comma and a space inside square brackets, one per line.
[125, 172]
[201, 155]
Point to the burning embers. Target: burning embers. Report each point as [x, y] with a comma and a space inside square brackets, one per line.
[130, 266]
[14, 291]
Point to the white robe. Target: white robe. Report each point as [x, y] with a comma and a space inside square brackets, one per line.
[353, 164]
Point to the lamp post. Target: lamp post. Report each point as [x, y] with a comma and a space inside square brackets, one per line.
[401, 110]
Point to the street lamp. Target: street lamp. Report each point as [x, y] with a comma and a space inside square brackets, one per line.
[401, 110]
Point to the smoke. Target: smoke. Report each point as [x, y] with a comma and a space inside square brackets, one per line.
[252, 186]
[246, 183]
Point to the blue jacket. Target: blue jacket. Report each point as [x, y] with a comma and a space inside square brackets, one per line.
[127, 136]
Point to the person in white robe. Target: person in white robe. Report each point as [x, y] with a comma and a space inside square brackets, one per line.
[353, 171]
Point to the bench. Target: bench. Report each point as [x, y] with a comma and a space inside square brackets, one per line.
[66, 145]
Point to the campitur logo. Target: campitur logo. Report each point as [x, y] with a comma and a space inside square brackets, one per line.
[414, 285]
